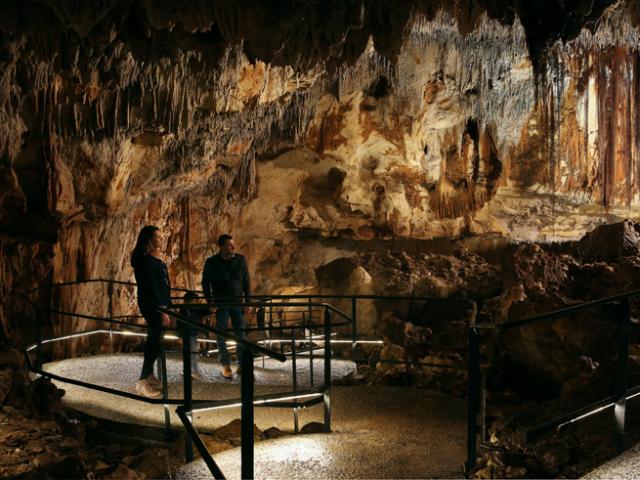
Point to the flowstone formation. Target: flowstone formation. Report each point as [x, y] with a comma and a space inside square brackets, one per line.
[532, 374]
[309, 133]
[419, 147]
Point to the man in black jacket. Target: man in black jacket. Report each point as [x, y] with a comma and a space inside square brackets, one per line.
[225, 279]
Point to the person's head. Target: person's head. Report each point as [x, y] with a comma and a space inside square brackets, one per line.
[149, 240]
[190, 295]
[226, 244]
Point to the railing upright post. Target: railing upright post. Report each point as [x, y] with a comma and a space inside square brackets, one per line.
[39, 338]
[354, 332]
[246, 387]
[165, 387]
[327, 370]
[473, 397]
[295, 377]
[188, 397]
[293, 361]
[620, 312]
[310, 343]
[110, 290]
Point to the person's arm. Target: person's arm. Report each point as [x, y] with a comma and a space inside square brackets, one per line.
[162, 292]
[207, 283]
[246, 281]
[149, 277]
[157, 279]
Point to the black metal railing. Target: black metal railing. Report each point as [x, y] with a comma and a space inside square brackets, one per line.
[615, 308]
[247, 400]
[282, 316]
[186, 406]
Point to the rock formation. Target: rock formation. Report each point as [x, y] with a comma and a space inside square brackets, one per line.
[311, 133]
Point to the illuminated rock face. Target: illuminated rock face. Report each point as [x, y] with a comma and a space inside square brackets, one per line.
[331, 142]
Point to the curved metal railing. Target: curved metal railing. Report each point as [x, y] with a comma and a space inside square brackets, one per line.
[281, 314]
[616, 308]
[187, 405]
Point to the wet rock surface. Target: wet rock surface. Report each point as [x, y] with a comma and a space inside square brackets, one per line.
[311, 135]
[41, 439]
[322, 133]
[533, 373]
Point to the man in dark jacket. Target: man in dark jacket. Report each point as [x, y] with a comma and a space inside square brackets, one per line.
[225, 279]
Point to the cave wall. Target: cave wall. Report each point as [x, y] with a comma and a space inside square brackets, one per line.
[310, 133]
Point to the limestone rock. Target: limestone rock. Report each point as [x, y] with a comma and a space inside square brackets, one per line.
[152, 463]
[273, 432]
[312, 427]
[608, 242]
[231, 432]
[124, 472]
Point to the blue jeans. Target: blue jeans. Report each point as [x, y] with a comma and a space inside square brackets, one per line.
[222, 322]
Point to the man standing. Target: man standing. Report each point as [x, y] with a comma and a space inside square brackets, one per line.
[225, 279]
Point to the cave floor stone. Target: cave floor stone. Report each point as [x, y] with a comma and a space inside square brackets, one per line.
[377, 431]
[624, 466]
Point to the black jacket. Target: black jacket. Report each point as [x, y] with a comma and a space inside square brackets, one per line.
[194, 313]
[223, 279]
[153, 283]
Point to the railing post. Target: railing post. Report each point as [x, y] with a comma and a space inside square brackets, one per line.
[165, 387]
[473, 396]
[619, 311]
[260, 317]
[110, 291]
[294, 377]
[310, 343]
[186, 378]
[327, 370]
[354, 333]
[39, 338]
[294, 370]
[246, 388]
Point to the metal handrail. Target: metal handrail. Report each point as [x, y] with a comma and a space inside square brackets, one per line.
[223, 333]
[93, 280]
[616, 307]
[247, 387]
[340, 296]
[187, 404]
[260, 301]
[557, 313]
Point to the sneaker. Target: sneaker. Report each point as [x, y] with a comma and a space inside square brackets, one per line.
[147, 390]
[195, 376]
[154, 381]
[226, 371]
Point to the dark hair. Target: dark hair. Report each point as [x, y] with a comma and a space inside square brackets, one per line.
[190, 295]
[223, 238]
[142, 244]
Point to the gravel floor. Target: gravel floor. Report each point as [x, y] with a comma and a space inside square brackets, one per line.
[122, 370]
[625, 466]
[378, 432]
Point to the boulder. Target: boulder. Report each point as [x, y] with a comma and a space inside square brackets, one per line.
[609, 242]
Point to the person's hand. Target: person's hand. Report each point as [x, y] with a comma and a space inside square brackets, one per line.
[247, 310]
[166, 320]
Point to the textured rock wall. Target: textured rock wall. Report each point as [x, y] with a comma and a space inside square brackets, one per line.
[310, 133]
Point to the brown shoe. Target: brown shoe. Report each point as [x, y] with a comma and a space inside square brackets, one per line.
[154, 381]
[145, 389]
[226, 371]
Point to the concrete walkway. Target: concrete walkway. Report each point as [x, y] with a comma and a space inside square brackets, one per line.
[377, 432]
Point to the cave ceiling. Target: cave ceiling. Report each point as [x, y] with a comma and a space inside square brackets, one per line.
[297, 33]
[309, 129]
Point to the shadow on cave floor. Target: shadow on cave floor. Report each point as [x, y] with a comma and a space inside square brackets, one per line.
[377, 431]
